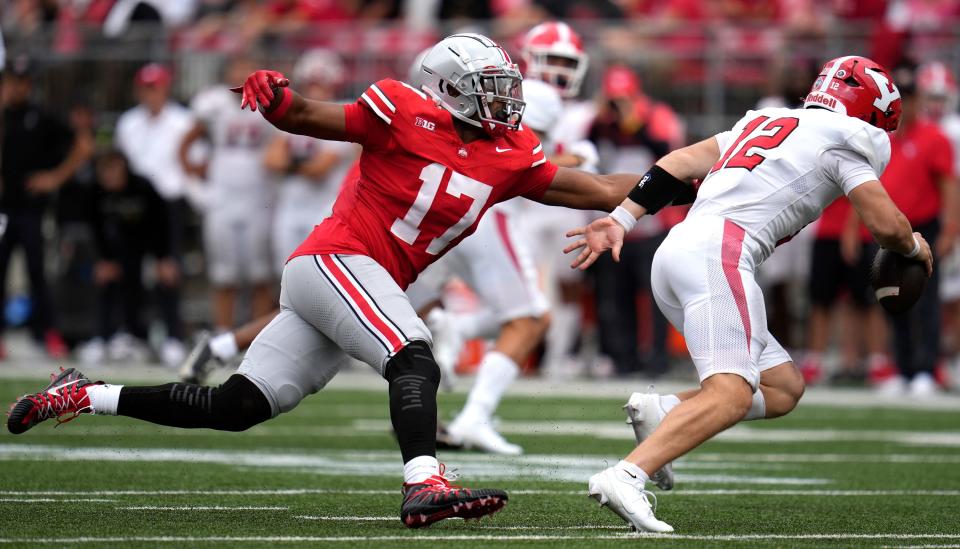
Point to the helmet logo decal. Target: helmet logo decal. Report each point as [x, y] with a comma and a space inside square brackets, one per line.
[841, 73]
[888, 92]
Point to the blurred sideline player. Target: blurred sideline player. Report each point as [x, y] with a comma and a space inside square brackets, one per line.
[553, 53]
[497, 266]
[312, 172]
[763, 181]
[920, 179]
[236, 224]
[342, 291]
[937, 88]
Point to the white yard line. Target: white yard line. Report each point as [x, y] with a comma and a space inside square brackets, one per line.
[201, 508]
[473, 537]
[353, 492]
[542, 467]
[56, 500]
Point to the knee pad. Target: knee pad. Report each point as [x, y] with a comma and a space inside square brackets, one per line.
[416, 360]
[238, 404]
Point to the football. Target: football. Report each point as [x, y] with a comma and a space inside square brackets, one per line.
[898, 282]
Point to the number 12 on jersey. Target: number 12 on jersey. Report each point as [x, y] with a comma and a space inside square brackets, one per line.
[748, 155]
[407, 229]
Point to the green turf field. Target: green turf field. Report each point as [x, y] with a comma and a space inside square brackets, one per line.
[329, 473]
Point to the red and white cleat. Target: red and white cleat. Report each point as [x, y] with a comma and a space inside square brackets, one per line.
[65, 395]
[436, 499]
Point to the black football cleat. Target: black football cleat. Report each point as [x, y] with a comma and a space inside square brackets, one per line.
[436, 499]
[66, 395]
[199, 363]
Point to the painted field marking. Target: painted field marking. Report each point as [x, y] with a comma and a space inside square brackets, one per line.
[354, 492]
[545, 467]
[202, 508]
[472, 537]
[485, 526]
[56, 500]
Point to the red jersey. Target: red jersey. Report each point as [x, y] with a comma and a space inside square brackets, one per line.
[833, 219]
[920, 156]
[420, 189]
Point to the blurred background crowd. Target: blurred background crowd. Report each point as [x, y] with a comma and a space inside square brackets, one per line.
[124, 154]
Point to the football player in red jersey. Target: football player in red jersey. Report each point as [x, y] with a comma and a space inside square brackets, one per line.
[434, 159]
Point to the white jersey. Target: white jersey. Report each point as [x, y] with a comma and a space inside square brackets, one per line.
[152, 144]
[950, 126]
[574, 124]
[779, 168]
[238, 138]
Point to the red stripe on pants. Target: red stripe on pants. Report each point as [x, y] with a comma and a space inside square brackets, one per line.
[504, 231]
[367, 311]
[730, 258]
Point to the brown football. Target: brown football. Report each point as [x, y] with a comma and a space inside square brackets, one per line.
[898, 282]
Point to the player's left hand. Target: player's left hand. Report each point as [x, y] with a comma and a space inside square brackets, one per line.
[258, 88]
[601, 235]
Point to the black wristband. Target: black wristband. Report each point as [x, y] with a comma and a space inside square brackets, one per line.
[656, 189]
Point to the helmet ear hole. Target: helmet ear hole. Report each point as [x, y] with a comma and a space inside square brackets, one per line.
[852, 82]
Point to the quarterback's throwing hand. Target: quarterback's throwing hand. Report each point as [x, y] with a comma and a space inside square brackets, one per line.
[601, 235]
[258, 88]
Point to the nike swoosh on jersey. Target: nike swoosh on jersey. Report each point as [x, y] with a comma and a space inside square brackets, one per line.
[499, 150]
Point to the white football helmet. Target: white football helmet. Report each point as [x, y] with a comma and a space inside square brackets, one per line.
[553, 52]
[319, 66]
[474, 79]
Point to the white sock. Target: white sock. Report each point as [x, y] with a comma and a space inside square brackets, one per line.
[562, 333]
[482, 324]
[224, 346]
[668, 402]
[758, 409]
[635, 471]
[104, 399]
[420, 469]
[495, 374]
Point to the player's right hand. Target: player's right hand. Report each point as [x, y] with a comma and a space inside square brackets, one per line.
[601, 235]
[925, 256]
[258, 88]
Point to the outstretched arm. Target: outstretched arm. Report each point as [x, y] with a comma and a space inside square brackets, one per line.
[668, 181]
[587, 191]
[269, 91]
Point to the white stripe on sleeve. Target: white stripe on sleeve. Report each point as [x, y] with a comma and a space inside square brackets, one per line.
[375, 108]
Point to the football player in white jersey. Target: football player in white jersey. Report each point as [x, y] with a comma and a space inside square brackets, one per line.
[496, 265]
[937, 88]
[763, 181]
[237, 223]
[553, 53]
[312, 169]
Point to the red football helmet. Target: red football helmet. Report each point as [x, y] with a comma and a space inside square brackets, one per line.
[553, 52]
[857, 87]
[938, 88]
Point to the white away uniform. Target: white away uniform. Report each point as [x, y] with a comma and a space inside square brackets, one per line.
[950, 265]
[778, 169]
[237, 224]
[303, 202]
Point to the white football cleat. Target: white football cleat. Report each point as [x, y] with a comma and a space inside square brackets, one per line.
[481, 436]
[625, 496]
[447, 344]
[644, 414]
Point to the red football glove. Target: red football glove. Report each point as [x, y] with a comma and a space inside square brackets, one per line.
[258, 89]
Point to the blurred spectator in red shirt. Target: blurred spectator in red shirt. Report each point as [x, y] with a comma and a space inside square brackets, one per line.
[920, 180]
[632, 131]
